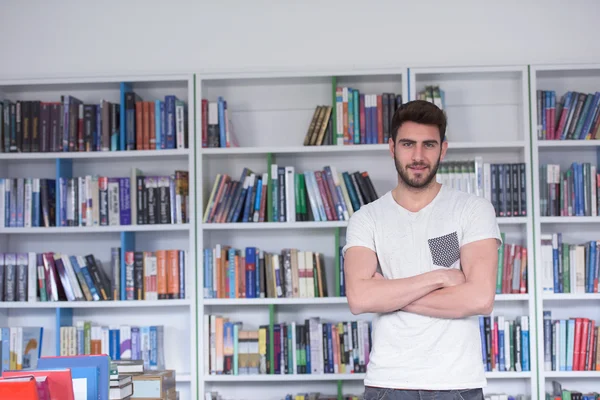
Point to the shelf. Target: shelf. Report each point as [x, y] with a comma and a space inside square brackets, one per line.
[507, 374]
[569, 220]
[572, 374]
[571, 296]
[97, 304]
[312, 224]
[568, 143]
[331, 377]
[283, 377]
[512, 297]
[183, 378]
[352, 148]
[277, 301]
[274, 225]
[93, 155]
[321, 300]
[511, 220]
[97, 229]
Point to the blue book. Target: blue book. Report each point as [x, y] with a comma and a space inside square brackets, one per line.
[93, 368]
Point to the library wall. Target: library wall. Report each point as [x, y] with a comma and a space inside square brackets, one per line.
[116, 37]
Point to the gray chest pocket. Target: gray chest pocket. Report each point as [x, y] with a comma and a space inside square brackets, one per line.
[445, 250]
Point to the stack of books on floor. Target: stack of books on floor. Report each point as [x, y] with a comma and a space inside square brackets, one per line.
[130, 376]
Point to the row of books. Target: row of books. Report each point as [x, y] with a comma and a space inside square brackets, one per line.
[152, 275]
[504, 185]
[576, 115]
[124, 342]
[512, 268]
[560, 393]
[571, 192]
[49, 276]
[21, 347]
[310, 347]
[568, 267]
[322, 195]
[255, 273]
[93, 200]
[433, 94]
[505, 343]
[217, 127]
[252, 272]
[360, 118]
[571, 344]
[71, 125]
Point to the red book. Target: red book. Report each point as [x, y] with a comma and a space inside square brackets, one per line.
[60, 383]
[19, 388]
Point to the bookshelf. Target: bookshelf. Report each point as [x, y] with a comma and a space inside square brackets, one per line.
[176, 315]
[490, 111]
[270, 115]
[574, 229]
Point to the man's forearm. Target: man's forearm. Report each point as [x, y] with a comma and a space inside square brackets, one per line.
[458, 301]
[386, 295]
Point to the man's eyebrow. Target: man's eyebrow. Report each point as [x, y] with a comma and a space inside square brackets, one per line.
[414, 141]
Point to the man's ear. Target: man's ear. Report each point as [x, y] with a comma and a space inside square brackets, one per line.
[444, 150]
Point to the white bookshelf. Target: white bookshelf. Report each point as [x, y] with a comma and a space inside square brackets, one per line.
[488, 117]
[177, 315]
[574, 229]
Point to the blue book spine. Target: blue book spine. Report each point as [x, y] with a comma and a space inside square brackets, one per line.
[356, 114]
[231, 274]
[114, 335]
[501, 349]
[124, 116]
[153, 364]
[35, 202]
[182, 262]
[562, 346]
[124, 201]
[222, 136]
[570, 343]
[525, 343]
[250, 272]
[5, 349]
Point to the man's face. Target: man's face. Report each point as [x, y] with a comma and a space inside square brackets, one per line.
[417, 153]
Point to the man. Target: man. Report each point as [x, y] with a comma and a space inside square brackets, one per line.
[423, 258]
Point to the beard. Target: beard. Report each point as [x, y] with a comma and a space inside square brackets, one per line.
[420, 180]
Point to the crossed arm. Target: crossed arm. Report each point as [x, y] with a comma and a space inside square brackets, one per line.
[439, 293]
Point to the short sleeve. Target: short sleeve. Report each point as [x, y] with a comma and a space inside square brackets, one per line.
[360, 231]
[480, 222]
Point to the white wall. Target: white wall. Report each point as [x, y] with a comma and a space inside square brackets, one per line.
[63, 37]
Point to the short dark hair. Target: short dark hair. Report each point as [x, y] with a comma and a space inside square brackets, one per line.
[421, 112]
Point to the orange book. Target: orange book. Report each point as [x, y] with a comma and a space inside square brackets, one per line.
[139, 125]
[161, 272]
[173, 274]
[152, 139]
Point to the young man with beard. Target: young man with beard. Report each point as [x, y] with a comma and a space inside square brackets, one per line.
[423, 258]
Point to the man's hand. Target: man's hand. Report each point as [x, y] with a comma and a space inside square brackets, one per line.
[449, 277]
[369, 292]
[453, 277]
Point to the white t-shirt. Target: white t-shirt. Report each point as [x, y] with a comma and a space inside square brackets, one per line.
[411, 351]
